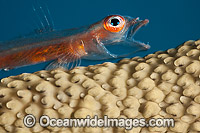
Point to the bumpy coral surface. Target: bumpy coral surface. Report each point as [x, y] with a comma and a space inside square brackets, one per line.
[160, 85]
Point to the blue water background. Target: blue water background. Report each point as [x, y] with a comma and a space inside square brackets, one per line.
[171, 21]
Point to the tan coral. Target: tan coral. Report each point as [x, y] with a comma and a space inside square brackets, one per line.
[180, 127]
[177, 110]
[151, 109]
[155, 95]
[160, 85]
[172, 97]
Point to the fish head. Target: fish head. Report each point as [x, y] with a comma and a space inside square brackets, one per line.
[114, 36]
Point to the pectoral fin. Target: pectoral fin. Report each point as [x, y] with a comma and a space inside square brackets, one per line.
[65, 62]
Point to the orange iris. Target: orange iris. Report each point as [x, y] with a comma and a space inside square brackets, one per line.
[114, 23]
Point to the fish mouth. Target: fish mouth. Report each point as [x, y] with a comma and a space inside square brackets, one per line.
[135, 25]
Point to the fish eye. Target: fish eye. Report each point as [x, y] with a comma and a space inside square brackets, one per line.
[114, 23]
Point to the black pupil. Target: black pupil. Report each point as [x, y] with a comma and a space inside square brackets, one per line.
[114, 22]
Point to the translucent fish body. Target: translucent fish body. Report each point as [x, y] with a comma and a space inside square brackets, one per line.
[68, 46]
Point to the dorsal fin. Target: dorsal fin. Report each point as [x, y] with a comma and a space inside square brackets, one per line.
[42, 19]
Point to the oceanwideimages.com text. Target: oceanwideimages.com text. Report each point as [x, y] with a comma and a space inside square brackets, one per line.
[128, 123]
